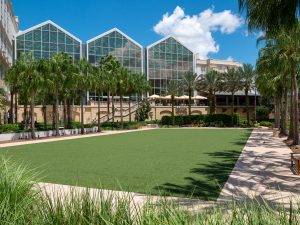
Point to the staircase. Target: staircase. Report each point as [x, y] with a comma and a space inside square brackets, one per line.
[109, 117]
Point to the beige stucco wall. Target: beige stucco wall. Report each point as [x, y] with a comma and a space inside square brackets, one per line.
[90, 112]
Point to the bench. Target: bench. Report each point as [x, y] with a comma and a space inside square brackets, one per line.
[295, 162]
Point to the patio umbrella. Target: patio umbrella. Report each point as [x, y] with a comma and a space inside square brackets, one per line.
[183, 97]
[199, 97]
[168, 97]
[154, 97]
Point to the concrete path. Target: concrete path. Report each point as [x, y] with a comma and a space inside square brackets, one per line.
[52, 139]
[263, 172]
[137, 200]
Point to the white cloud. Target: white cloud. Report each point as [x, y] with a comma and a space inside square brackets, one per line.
[196, 31]
[229, 58]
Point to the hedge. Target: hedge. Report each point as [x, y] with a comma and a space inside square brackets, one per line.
[206, 120]
[9, 128]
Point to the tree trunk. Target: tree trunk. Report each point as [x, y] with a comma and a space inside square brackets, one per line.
[121, 111]
[190, 102]
[11, 111]
[247, 107]
[25, 116]
[16, 107]
[32, 116]
[211, 107]
[296, 107]
[173, 116]
[108, 106]
[129, 109]
[65, 113]
[283, 121]
[215, 103]
[291, 130]
[69, 114]
[99, 111]
[232, 108]
[82, 116]
[56, 114]
[53, 116]
[277, 111]
[113, 107]
[44, 109]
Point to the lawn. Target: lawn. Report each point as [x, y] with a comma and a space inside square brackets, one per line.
[177, 162]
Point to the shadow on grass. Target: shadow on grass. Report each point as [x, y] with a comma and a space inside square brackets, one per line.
[212, 177]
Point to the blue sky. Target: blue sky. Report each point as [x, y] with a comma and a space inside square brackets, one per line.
[213, 30]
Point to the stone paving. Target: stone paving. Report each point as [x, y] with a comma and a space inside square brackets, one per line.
[263, 172]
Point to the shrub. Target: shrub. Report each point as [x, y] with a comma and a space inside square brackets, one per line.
[266, 123]
[75, 125]
[262, 113]
[9, 128]
[208, 120]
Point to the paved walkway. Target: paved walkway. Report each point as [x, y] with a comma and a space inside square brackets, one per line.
[137, 200]
[263, 171]
[52, 139]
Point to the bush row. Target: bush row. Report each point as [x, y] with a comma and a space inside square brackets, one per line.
[202, 120]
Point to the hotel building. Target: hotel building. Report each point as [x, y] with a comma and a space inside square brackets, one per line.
[8, 30]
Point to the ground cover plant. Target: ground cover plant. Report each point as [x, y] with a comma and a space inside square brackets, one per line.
[22, 202]
[179, 162]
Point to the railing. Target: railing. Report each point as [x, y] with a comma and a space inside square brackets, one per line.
[117, 113]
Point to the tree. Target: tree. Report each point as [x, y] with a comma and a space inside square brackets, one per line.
[231, 82]
[59, 67]
[3, 99]
[189, 84]
[247, 73]
[33, 80]
[210, 83]
[99, 87]
[13, 82]
[122, 87]
[270, 15]
[173, 87]
[84, 80]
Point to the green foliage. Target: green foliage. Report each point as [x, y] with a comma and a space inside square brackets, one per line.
[9, 128]
[219, 120]
[143, 112]
[266, 124]
[262, 112]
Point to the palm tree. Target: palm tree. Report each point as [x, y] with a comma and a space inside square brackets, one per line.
[59, 67]
[13, 81]
[130, 91]
[210, 83]
[33, 80]
[110, 68]
[173, 87]
[99, 87]
[270, 15]
[231, 82]
[189, 84]
[247, 73]
[122, 86]
[43, 68]
[84, 83]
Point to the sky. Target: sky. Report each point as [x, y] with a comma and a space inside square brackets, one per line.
[212, 28]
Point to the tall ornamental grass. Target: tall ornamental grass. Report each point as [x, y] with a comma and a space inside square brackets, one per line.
[21, 202]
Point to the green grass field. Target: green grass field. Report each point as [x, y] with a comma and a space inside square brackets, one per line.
[177, 162]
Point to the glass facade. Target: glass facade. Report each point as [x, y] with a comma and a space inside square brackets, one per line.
[166, 60]
[47, 40]
[115, 43]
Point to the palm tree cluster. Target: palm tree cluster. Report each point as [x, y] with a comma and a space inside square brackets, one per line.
[231, 81]
[278, 63]
[60, 81]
